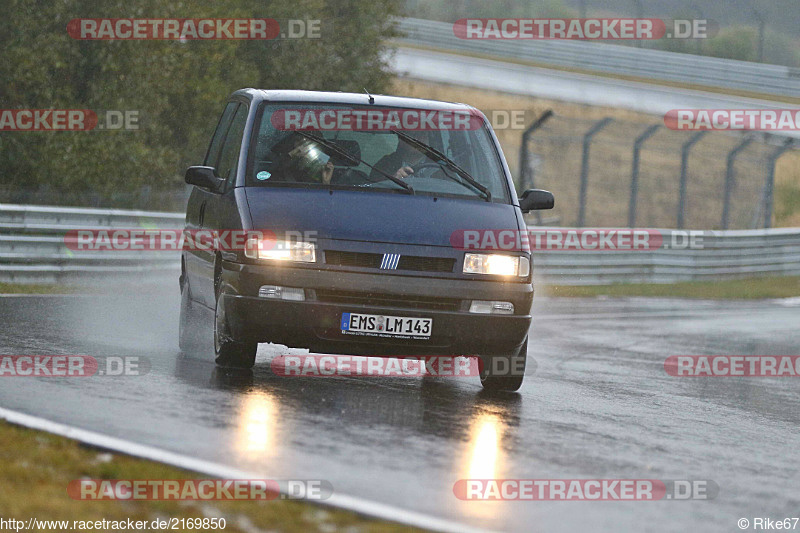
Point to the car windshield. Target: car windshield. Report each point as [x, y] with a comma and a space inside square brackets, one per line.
[346, 146]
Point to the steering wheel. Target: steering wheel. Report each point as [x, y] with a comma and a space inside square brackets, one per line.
[423, 166]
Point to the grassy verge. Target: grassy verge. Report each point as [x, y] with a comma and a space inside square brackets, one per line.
[750, 288]
[35, 468]
[24, 288]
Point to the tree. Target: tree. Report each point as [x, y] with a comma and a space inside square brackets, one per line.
[178, 88]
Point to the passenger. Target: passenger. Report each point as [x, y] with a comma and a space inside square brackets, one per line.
[304, 162]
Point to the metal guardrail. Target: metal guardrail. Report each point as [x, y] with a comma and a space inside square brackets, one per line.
[722, 255]
[49, 218]
[33, 250]
[614, 59]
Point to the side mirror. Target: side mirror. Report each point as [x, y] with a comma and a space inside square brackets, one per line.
[534, 199]
[204, 177]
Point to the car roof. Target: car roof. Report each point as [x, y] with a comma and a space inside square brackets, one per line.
[258, 95]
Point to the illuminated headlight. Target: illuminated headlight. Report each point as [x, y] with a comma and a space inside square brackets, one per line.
[280, 250]
[497, 265]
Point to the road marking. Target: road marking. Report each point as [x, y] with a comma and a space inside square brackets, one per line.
[341, 501]
[788, 302]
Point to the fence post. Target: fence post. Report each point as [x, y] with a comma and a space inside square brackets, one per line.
[685, 149]
[524, 182]
[587, 141]
[770, 183]
[726, 201]
[637, 146]
[523, 149]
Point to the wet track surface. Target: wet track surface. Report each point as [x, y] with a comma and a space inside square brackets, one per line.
[599, 405]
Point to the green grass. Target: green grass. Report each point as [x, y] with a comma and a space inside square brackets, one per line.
[35, 468]
[24, 288]
[787, 204]
[743, 289]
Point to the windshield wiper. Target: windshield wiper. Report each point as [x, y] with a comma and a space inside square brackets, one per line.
[440, 158]
[353, 159]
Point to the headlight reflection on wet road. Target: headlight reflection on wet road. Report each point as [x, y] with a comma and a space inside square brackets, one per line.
[257, 425]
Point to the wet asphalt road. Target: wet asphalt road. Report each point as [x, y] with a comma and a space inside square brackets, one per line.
[599, 405]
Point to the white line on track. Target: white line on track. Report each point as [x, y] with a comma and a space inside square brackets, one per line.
[341, 501]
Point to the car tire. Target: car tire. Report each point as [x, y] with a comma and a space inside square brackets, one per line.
[228, 351]
[186, 322]
[508, 376]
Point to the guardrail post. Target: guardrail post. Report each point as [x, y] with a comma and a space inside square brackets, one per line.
[685, 149]
[587, 141]
[769, 186]
[726, 201]
[637, 147]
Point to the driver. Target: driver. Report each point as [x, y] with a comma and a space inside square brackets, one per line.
[399, 163]
[301, 160]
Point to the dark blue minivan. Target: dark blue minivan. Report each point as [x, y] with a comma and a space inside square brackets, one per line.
[353, 205]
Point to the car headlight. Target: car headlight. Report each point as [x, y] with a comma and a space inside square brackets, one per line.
[497, 265]
[278, 250]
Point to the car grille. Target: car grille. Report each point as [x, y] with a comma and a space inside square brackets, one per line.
[406, 262]
[353, 259]
[426, 264]
[387, 300]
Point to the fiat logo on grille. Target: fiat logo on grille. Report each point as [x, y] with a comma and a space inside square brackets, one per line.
[390, 261]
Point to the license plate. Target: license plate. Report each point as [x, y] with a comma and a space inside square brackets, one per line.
[386, 326]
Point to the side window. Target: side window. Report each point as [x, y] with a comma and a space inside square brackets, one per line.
[229, 155]
[212, 156]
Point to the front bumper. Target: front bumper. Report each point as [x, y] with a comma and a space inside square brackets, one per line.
[314, 323]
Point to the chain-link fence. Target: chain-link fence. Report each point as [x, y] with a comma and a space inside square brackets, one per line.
[604, 173]
[610, 173]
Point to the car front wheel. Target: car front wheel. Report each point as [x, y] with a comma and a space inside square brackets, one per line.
[187, 324]
[505, 373]
[230, 352]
